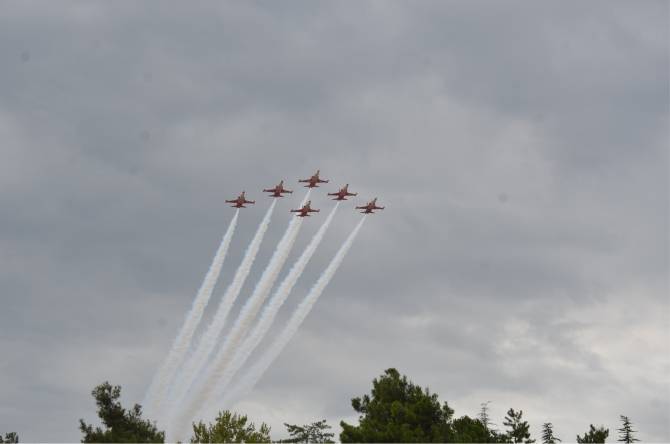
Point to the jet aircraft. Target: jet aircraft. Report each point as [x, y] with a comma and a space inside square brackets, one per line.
[305, 210]
[314, 181]
[240, 201]
[370, 207]
[278, 190]
[343, 193]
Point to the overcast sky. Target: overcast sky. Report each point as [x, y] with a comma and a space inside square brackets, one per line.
[521, 149]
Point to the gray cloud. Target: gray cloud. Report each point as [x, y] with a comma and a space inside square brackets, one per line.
[521, 151]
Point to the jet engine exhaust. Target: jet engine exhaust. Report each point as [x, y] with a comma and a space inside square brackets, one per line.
[270, 311]
[158, 389]
[210, 337]
[251, 377]
[210, 375]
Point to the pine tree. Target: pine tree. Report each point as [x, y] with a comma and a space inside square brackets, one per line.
[518, 429]
[230, 427]
[594, 435]
[10, 438]
[548, 434]
[466, 429]
[397, 410]
[626, 431]
[121, 425]
[484, 417]
[316, 432]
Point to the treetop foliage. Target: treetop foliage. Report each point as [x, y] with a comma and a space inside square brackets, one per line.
[484, 416]
[398, 410]
[230, 427]
[316, 432]
[626, 432]
[594, 435]
[395, 410]
[518, 430]
[10, 438]
[548, 434]
[121, 425]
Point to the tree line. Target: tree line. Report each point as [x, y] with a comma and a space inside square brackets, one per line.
[396, 410]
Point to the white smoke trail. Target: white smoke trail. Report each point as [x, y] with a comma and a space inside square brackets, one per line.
[212, 373]
[251, 377]
[164, 377]
[270, 311]
[210, 337]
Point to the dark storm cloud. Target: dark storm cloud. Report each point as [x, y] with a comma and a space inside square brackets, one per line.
[521, 150]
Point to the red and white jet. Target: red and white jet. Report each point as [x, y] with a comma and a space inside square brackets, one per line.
[314, 181]
[278, 190]
[370, 207]
[343, 193]
[240, 201]
[305, 210]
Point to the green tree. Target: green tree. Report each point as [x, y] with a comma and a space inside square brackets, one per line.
[316, 432]
[10, 438]
[466, 429]
[121, 425]
[230, 427]
[484, 416]
[517, 429]
[626, 431]
[548, 434]
[594, 435]
[398, 411]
